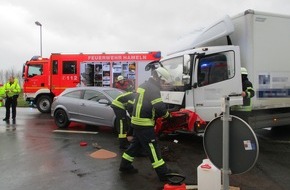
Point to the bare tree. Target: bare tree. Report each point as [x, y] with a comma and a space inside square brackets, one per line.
[4, 76]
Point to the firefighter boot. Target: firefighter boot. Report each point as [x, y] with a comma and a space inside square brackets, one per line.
[162, 171]
[126, 167]
[124, 144]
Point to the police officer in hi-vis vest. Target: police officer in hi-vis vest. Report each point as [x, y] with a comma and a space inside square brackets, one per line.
[12, 90]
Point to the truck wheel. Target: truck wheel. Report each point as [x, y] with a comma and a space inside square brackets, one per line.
[61, 119]
[44, 104]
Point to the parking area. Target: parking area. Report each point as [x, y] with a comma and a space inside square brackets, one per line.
[38, 156]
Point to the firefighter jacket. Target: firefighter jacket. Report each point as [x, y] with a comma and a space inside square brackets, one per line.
[148, 105]
[124, 101]
[12, 89]
[250, 92]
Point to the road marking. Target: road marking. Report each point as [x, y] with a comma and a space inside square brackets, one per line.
[81, 132]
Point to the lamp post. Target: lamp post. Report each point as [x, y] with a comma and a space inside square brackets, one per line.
[40, 25]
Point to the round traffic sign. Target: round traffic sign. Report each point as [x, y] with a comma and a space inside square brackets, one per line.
[243, 144]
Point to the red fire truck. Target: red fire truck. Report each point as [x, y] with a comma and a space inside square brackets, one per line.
[45, 78]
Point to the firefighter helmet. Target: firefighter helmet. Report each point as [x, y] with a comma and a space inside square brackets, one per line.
[244, 71]
[163, 74]
[120, 78]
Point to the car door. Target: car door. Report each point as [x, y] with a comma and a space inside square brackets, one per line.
[94, 112]
[71, 102]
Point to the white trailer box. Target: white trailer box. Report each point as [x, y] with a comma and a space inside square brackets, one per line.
[264, 43]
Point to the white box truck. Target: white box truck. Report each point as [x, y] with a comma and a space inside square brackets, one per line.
[205, 67]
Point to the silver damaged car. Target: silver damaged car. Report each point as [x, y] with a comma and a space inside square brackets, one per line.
[88, 105]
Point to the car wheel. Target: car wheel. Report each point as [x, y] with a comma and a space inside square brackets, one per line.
[61, 119]
[43, 104]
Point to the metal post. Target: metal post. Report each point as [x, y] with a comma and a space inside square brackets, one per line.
[226, 119]
[40, 25]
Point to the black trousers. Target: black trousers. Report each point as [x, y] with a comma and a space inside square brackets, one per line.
[11, 102]
[144, 138]
[122, 122]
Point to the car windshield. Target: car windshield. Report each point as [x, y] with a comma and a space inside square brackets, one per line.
[113, 93]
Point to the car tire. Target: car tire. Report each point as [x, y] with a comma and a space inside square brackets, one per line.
[61, 118]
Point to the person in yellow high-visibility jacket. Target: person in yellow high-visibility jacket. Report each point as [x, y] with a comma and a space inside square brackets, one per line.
[2, 95]
[12, 90]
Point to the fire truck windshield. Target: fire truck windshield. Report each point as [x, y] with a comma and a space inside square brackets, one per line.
[34, 70]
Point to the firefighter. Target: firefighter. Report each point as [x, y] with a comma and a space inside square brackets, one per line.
[244, 111]
[124, 84]
[121, 105]
[148, 105]
[12, 90]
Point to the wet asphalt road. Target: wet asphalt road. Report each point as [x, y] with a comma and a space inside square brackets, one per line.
[35, 157]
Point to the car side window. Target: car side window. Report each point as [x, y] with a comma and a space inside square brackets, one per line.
[93, 95]
[74, 94]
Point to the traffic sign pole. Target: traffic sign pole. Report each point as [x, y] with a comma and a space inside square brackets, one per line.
[226, 119]
[230, 143]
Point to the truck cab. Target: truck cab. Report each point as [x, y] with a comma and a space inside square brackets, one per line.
[203, 74]
[36, 79]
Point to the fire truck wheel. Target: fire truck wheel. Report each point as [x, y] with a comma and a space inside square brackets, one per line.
[61, 119]
[44, 104]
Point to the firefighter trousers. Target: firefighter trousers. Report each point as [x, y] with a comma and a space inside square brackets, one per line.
[122, 126]
[145, 138]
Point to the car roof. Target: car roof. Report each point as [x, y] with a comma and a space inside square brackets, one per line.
[99, 88]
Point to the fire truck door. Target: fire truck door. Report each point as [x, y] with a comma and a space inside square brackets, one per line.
[35, 78]
[64, 75]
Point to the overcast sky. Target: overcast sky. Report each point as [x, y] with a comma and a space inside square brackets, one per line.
[88, 26]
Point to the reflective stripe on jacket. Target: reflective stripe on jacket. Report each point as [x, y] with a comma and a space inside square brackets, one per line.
[123, 100]
[148, 104]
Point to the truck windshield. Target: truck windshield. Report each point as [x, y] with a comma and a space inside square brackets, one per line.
[175, 68]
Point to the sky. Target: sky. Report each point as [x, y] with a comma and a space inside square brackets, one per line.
[94, 26]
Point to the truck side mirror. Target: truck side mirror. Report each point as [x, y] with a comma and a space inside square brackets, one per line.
[185, 79]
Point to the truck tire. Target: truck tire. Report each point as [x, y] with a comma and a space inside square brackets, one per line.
[43, 104]
[61, 119]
